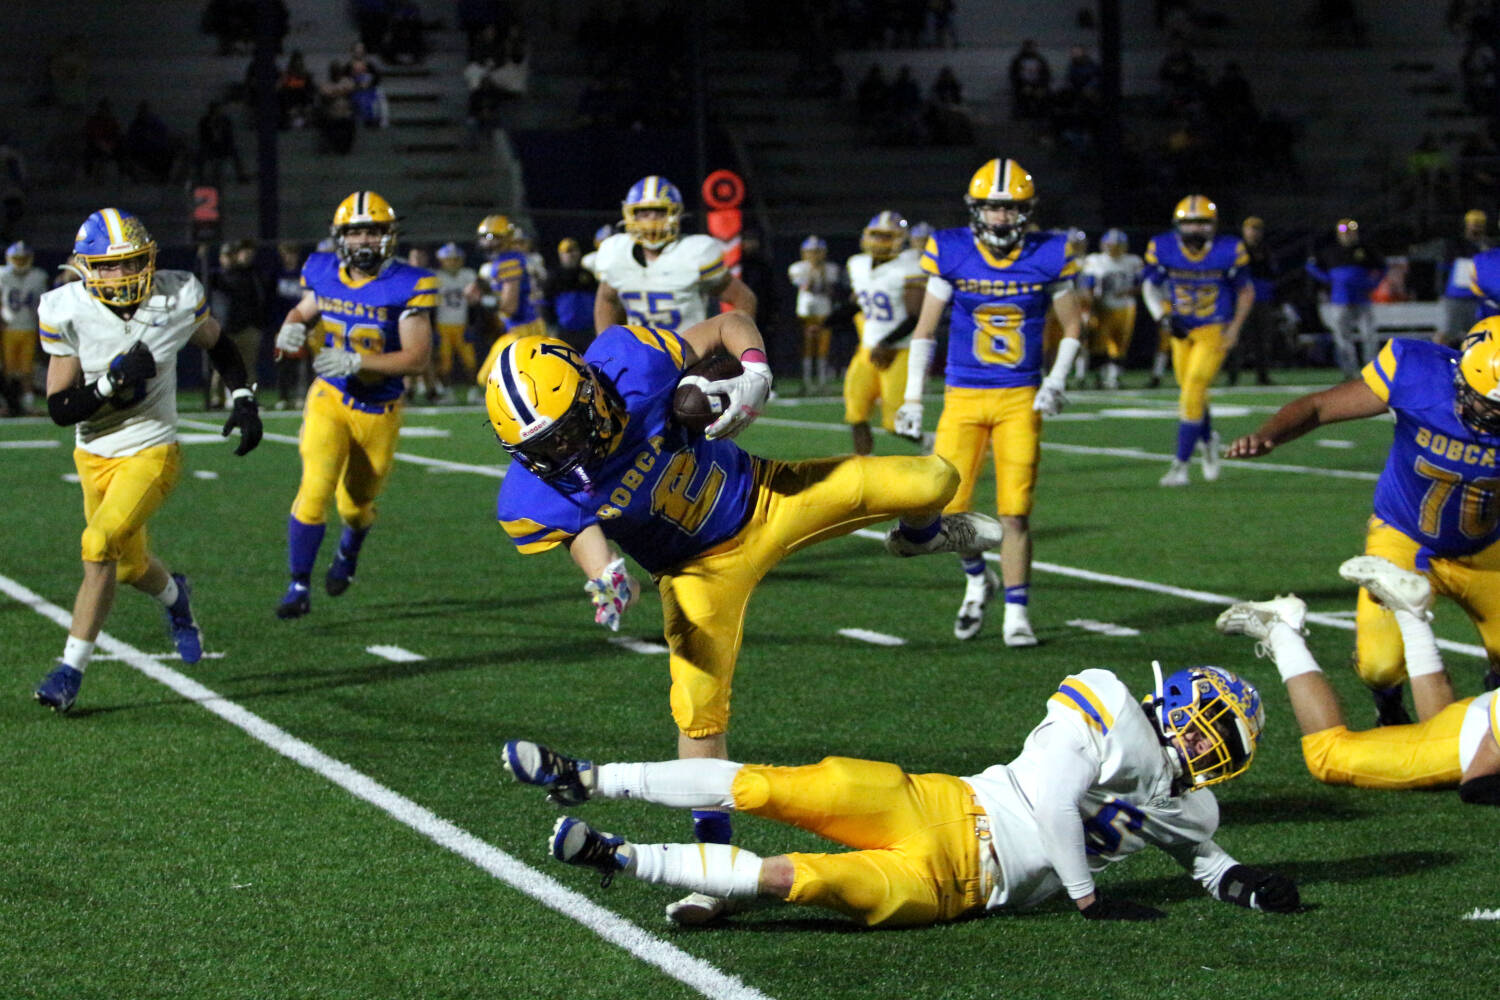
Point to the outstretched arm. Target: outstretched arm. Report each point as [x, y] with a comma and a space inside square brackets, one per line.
[1349, 401]
[609, 586]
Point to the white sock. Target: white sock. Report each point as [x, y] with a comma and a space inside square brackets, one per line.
[1422, 656]
[701, 783]
[1080, 365]
[1290, 652]
[807, 371]
[168, 596]
[76, 653]
[1159, 366]
[721, 870]
[1111, 371]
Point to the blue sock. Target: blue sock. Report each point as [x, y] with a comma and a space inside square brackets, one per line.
[1187, 437]
[974, 566]
[1208, 426]
[711, 826]
[351, 541]
[925, 533]
[1018, 595]
[302, 542]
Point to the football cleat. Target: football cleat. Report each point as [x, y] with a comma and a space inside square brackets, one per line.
[340, 573]
[1177, 474]
[978, 592]
[59, 689]
[697, 908]
[574, 842]
[1396, 588]
[968, 535]
[185, 633]
[1255, 618]
[1016, 629]
[1208, 453]
[568, 780]
[295, 603]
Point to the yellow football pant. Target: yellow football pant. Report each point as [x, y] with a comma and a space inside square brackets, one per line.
[1115, 328]
[864, 384]
[1471, 582]
[796, 504]
[119, 497]
[1004, 420]
[815, 337]
[451, 343]
[1195, 361]
[1419, 755]
[346, 454]
[917, 857]
[19, 351]
[536, 327]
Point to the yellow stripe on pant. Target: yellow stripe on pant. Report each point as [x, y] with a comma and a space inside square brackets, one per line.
[347, 455]
[917, 857]
[119, 497]
[1419, 755]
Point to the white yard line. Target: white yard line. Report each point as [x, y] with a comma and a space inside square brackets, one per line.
[638, 645]
[874, 638]
[395, 654]
[688, 969]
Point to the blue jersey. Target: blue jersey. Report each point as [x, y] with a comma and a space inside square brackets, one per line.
[663, 495]
[363, 315]
[1486, 283]
[510, 265]
[999, 304]
[1440, 482]
[1200, 289]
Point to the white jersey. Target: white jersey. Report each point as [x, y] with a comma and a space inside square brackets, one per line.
[815, 287]
[452, 310]
[881, 292]
[1092, 786]
[75, 324]
[590, 262]
[1113, 281]
[19, 295]
[672, 290]
[1480, 718]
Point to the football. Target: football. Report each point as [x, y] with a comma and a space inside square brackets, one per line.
[694, 408]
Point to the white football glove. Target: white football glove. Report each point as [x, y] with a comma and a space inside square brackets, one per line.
[612, 592]
[291, 338]
[747, 395]
[909, 421]
[1051, 397]
[335, 363]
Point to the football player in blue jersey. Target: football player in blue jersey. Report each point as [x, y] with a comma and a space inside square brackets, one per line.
[372, 317]
[1197, 286]
[505, 276]
[1001, 280]
[1437, 502]
[599, 461]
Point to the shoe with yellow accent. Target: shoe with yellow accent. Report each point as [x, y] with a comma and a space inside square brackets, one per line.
[1396, 588]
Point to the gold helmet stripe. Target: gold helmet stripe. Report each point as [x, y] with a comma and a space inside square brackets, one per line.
[116, 227]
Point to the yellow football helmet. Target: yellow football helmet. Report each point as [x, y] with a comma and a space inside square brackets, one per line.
[1477, 380]
[496, 234]
[1000, 184]
[1196, 219]
[663, 201]
[884, 236]
[114, 239]
[1210, 719]
[364, 210]
[553, 411]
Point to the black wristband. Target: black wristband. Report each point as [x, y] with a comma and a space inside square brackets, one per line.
[73, 404]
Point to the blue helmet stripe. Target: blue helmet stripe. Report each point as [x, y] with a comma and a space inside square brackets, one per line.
[525, 415]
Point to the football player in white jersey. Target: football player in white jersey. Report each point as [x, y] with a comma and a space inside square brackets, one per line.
[887, 283]
[1096, 781]
[21, 288]
[113, 340]
[652, 275]
[453, 279]
[1109, 283]
[816, 279]
[1454, 743]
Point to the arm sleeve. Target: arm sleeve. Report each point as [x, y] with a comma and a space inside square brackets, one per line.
[1206, 861]
[1072, 768]
[227, 362]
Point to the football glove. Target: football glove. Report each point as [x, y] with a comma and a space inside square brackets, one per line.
[1051, 397]
[291, 338]
[909, 420]
[337, 364]
[1258, 890]
[747, 394]
[125, 379]
[245, 415]
[612, 592]
[1119, 909]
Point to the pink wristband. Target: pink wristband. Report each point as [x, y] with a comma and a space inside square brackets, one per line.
[753, 354]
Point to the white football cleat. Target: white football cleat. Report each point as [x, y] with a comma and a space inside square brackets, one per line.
[1396, 588]
[1255, 618]
[967, 535]
[978, 592]
[1177, 474]
[1017, 628]
[696, 909]
[1208, 452]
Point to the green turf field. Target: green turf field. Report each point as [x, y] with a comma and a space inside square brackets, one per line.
[316, 819]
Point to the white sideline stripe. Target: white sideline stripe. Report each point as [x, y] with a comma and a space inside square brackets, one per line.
[685, 968]
[875, 638]
[1478, 914]
[1103, 628]
[437, 463]
[31, 444]
[395, 654]
[155, 656]
[637, 645]
[205, 474]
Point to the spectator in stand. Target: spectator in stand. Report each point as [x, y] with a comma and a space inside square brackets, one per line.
[370, 105]
[405, 44]
[232, 22]
[940, 18]
[570, 291]
[873, 96]
[151, 150]
[1183, 81]
[372, 19]
[336, 120]
[1478, 70]
[296, 92]
[102, 139]
[946, 89]
[1030, 83]
[1078, 105]
[217, 147]
[904, 126]
[292, 370]
[1258, 337]
[1392, 287]
[1083, 72]
[1351, 271]
[476, 15]
[1460, 304]
[237, 294]
[945, 120]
